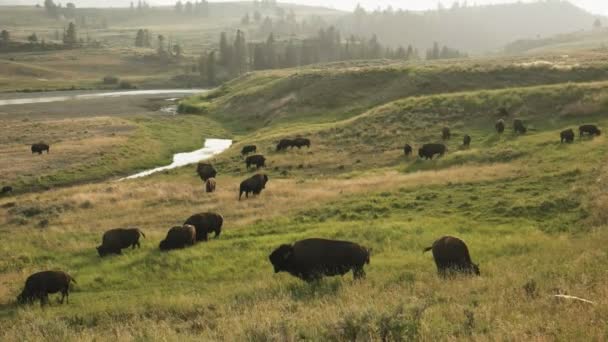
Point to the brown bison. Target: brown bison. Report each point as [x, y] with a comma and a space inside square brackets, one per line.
[206, 171]
[567, 136]
[179, 237]
[210, 185]
[301, 142]
[407, 150]
[518, 126]
[249, 149]
[311, 259]
[115, 240]
[284, 144]
[40, 147]
[445, 133]
[428, 151]
[40, 285]
[205, 223]
[466, 140]
[500, 126]
[6, 189]
[589, 129]
[452, 255]
[254, 184]
[257, 160]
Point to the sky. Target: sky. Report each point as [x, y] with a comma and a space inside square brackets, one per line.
[593, 6]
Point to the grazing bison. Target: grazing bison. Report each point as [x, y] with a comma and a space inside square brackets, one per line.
[210, 185]
[206, 171]
[311, 259]
[589, 129]
[518, 126]
[115, 240]
[452, 255]
[301, 142]
[466, 141]
[6, 189]
[428, 151]
[258, 160]
[40, 147]
[205, 223]
[500, 126]
[445, 133]
[40, 285]
[284, 144]
[254, 184]
[567, 135]
[179, 237]
[249, 149]
[407, 150]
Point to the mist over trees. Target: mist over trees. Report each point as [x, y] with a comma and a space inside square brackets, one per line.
[469, 28]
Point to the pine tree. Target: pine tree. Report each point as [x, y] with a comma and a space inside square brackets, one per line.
[70, 37]
[271, 58]
[240, 52]
[211, 68]
[5, 36]
[225, 56]
[139, 38]
[33, 38]
[179, 6]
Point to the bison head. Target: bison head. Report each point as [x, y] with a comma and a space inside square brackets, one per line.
[24, 297]
[102, 251]
[420, 153]
[280, 258]
[265, 181]
[475, 269]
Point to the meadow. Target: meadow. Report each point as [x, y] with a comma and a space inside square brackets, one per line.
[532, 210]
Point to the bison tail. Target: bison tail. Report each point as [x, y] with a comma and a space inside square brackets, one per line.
[73, 280]
[427, 249]
[142, 233]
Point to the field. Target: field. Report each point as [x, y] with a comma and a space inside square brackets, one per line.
[532, 210]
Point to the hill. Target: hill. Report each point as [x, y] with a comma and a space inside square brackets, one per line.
[532, 211]
[476, 29]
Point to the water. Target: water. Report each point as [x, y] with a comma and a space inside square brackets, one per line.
[212, 147]
[89, 96]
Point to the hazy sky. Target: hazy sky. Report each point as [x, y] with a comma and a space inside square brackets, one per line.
[594, 6]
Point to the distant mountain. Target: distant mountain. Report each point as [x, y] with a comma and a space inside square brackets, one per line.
[473, 29]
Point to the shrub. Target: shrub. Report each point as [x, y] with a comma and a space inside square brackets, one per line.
[110, 80]
[126, 85]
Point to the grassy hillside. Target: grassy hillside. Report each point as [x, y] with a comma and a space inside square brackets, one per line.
[532, 210]
[328, 93]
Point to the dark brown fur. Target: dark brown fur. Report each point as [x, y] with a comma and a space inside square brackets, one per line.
[452, 255]
[589, 129]
[466, 140]
[311, 259]
[249, 149]
[206, 223]
[407, 150]
[567, 135]
[500, 126]
[210, 185]
[254, 184]
[445, 133]
[40, 285]
[40, 147]
[257, 160]
[115, 240]
[518, 126]
[179, 237]
[428, 151]
[205, 171]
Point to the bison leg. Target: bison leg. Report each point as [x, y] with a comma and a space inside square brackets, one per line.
[217, 233]
[358, 273]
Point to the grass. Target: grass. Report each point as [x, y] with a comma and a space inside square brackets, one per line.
[532, 211]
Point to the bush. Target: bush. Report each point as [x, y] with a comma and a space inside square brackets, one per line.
[126, 85]
[110, 80]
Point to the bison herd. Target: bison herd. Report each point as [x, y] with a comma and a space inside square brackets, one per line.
[309, 259]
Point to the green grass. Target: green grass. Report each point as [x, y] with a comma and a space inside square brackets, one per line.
[530, 209]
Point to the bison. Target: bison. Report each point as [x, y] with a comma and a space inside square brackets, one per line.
[254, 184]
[301, 142]
[40, 285]
[205, 223]
[466, 140]
[115, 240]
[6, 190]
[179, 237]
[428, 151]
[249, 149]
[500, 126]
[567, 136]
[407, 150]
[40, 147]
[518, 126]
[311, 259]
[206, 171]
[589, 129]
[284, 144]
[210, 185]
[258, 160]
[452, 255]
[445, 133]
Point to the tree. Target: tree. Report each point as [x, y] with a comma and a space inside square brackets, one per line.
[70, 38]
[257, 16]
[177, 50]
[246, 19]
[225, 51]
[33, 38]
[271, 57]
[161, 44]
[51, 8]
[5, 36]
[597, 24]
[189, 8]
[179, 7]
[240, 52]
[211, 68]
[139, 38]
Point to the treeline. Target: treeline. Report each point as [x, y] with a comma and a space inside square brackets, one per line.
[466, 26]
[200, 8]
[33, 42]
[443, 53]
[236, 55]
